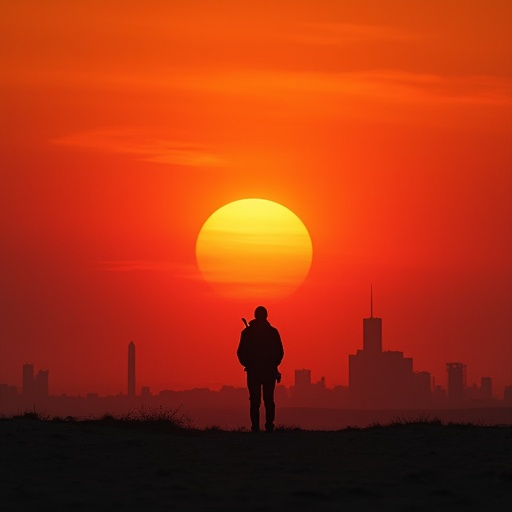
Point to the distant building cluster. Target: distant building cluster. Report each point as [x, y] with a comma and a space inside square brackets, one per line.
[35, 388]
[378, 379]
[386, 379]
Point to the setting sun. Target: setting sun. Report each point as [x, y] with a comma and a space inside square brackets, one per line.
[254, 248]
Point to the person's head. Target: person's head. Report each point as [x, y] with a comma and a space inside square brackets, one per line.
[260, 313]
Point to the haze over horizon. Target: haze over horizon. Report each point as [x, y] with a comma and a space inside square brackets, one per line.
[385, 128]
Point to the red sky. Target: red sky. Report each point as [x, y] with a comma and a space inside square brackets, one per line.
[385, 126]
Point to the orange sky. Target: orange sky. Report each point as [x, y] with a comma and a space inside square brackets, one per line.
[385, 126]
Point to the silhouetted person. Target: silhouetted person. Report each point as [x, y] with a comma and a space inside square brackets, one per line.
[260, 352]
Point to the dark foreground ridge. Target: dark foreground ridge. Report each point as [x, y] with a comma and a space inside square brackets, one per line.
[124, 464]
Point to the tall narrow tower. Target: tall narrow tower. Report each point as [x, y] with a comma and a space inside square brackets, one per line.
[131, 369]
[372, 331]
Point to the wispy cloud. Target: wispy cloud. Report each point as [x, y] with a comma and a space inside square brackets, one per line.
[318, 33]
[133, 265]
[387, 85]
[185, 271]
[288, 86]
[145, 147]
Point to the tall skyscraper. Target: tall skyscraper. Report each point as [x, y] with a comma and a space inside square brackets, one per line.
[131, 369]
[383, 379]
[372, 331]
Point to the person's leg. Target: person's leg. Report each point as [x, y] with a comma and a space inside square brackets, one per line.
[269, 385]
[254, 386]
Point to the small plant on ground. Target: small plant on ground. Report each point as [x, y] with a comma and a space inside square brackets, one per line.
[163, 419]
[288, 428]
[213, 428]
[420, 420]
[31, 415]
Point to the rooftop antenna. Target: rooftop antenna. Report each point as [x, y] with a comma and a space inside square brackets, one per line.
[371, 301]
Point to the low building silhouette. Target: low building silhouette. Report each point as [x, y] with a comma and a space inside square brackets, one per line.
[41, 388]
[305, 393]
[35, 390]
[486, 388]
[456, 382]
[8, 392]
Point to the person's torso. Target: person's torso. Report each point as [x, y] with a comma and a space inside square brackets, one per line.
[263, 347]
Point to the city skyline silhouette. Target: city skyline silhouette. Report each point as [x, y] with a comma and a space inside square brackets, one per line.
[378, 380]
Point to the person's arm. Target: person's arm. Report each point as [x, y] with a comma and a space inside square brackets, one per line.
[279, 348]
[242, 350]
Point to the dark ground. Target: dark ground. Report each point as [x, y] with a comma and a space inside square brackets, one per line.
[48, 465]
